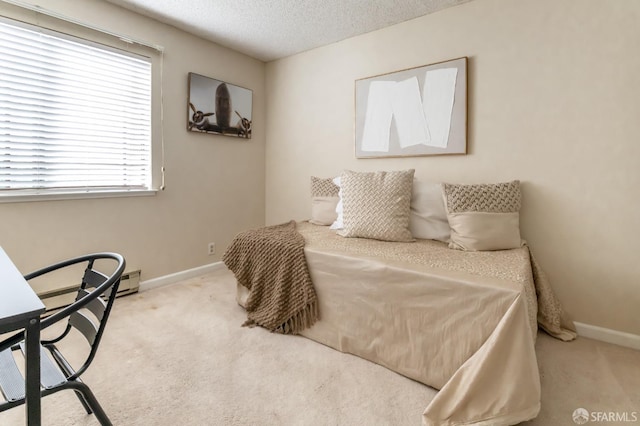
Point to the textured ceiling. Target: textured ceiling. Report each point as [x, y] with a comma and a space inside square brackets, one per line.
[273, 29]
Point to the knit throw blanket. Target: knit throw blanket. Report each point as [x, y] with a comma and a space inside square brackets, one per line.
[270, 263]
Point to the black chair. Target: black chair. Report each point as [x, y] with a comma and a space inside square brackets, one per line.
[88, 315]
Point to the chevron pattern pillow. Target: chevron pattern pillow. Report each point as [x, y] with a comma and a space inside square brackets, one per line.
[377, 205]
[483, 217]
[321, 187]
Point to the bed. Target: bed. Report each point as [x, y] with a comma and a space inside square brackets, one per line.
[462, 322]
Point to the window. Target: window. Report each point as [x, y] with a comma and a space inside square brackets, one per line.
[75, 116]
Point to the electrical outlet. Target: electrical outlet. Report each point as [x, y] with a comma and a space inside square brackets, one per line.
[212, 248]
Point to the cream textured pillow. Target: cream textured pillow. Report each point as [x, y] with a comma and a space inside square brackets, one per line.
[324, 198]
[483, 217]
[428, 218]
[377, 205]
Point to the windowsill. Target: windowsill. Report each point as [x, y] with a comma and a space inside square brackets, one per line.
[54, 196]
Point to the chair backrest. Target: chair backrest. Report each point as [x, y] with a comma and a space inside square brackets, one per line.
[88, 314]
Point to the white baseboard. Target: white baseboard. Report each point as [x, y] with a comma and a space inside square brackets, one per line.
[607, 335]
[179, 276]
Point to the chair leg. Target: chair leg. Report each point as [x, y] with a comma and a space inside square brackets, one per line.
[83, 401]
[87, 396]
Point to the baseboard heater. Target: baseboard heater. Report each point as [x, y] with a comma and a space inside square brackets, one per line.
[64, 296]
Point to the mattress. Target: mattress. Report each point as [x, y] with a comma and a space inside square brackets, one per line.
[461, 322]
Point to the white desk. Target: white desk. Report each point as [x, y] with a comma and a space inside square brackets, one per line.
[20, 308]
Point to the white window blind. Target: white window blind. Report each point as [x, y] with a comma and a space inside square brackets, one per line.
[75, 116]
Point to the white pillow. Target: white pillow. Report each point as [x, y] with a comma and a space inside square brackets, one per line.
[339, 222]
[428, 219]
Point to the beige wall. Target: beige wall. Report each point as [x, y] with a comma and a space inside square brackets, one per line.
[214, 184]
[554, 100]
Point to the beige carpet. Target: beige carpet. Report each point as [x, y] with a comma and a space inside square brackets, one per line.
[177, 355]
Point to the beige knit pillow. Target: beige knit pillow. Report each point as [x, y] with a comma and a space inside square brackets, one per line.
[377, 205]
[483, 217]
[324, 198]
